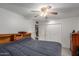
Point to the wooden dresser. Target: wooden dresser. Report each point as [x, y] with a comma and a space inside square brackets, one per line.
[74, 43]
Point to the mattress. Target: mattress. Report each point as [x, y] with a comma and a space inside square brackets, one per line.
[30, 47]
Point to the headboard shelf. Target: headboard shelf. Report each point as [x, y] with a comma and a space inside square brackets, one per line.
[7, 38]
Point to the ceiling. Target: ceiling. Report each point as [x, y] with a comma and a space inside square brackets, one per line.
[65, 10]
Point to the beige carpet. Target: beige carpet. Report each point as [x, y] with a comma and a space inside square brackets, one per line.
[66, 52]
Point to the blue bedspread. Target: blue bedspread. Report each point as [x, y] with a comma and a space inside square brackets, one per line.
[30, 47]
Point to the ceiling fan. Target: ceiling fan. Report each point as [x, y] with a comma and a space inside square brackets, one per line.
[45, 11]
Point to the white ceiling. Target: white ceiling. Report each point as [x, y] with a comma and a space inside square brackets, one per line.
[65, 10]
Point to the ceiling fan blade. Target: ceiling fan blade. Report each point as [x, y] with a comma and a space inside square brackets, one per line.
[55, 13]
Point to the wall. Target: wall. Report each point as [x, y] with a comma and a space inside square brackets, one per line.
[11, 22]
[77, 26]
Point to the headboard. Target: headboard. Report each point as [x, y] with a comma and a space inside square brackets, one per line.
[6, 38]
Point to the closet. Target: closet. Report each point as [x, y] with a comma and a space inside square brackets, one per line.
[50, 32]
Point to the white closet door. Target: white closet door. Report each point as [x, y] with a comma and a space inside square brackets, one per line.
[50, 32]
[53, 32]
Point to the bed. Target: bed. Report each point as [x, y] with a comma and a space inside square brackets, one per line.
[30, 47]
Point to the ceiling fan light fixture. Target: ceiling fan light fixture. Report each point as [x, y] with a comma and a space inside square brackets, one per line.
[43, 14]
[44, 11]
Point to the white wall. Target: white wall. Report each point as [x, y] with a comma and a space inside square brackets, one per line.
[11, 22]
[77, 26]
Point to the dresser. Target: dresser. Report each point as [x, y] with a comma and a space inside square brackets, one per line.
[74, 43]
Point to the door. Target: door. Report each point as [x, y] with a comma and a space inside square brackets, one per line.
[51, 32]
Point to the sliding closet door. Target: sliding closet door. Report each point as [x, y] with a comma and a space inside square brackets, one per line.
[53, 32]
[50, 32]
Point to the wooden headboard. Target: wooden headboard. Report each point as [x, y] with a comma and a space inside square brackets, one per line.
[18, 36]
[6, 38]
